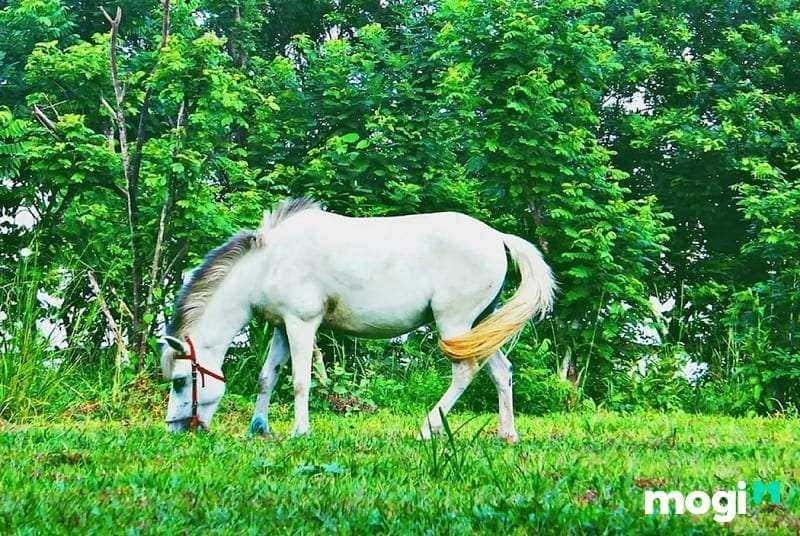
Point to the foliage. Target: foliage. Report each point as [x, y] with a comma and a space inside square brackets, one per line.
[530, 82]
[768, 369]
[33, 375]
[656, 383]
[648, 148]
[704, 113]
[538, 389]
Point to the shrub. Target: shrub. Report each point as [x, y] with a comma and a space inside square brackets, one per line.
[539, 391]
[417, 392]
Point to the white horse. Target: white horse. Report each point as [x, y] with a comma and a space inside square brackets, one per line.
[371, 277]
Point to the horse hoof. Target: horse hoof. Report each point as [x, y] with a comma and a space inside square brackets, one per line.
[510, 438]
[426, 433]
[258, 427]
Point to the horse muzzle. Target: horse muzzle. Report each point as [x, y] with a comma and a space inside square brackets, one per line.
[186, 425]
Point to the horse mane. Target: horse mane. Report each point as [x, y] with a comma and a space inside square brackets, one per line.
[282, 212]
[197, 292]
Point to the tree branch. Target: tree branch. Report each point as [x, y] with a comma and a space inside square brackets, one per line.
[131, 182]
[181, 252]
[165, 206]
[165, 23]
[118, 112]
[44, 120]
[131, 164]
[122, 352]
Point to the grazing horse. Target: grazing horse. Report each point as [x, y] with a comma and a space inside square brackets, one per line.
[370, 277]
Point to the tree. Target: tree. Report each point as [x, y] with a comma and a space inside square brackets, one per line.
[703, 117]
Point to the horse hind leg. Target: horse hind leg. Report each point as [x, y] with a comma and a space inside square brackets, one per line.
[463, 373]
[500, 370]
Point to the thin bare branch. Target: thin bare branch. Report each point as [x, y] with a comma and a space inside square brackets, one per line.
[162, 222]
[165, 23]
[131, 185]
[181, 115]
[119, 93]
[181, 252]
[144, 112]
[157, 252]
[142, 291]
[44, 120]
[122, 351]
[110, 109]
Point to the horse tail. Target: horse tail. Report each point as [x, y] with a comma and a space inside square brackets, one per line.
[534, 297]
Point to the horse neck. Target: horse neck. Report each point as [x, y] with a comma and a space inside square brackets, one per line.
[229, 308]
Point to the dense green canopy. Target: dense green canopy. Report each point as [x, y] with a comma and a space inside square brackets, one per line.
[650, 148]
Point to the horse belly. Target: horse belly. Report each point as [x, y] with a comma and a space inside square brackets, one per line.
[376, 316]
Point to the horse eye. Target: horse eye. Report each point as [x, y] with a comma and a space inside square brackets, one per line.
[178, 384]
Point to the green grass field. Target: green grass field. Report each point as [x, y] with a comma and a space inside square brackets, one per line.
[367, 473]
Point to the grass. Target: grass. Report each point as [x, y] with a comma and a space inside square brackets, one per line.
[367, 473]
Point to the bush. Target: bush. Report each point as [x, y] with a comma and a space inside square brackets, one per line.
[415, 393]
[539, 391]
[762, 353]
[656, 382]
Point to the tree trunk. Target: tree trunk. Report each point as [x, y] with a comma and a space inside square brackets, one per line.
[131, 167]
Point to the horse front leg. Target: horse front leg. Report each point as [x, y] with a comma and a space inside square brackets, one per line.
[278, 354]
[301, 334]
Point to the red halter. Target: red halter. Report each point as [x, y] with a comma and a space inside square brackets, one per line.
[197, 367]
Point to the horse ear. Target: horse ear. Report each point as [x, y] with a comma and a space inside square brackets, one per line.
[176, 344]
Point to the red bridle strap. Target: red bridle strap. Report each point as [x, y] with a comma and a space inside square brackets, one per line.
[197, 367]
